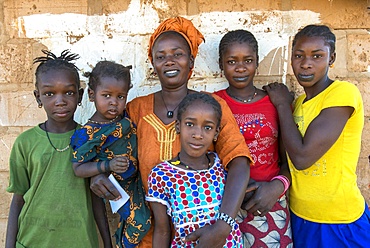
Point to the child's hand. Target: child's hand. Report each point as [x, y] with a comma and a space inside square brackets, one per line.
[119, 164]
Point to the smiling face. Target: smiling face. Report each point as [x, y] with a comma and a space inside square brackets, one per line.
[172, 60]
[311, 59]
[198, 127]
[109, 98]
[57, 90]
[239, 62]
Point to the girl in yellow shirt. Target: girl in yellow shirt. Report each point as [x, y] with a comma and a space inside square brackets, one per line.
[323, 142]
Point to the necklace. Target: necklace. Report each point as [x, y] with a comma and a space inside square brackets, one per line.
[178, 161]
[104, 122]
[56, 149]
[249, 99]
[169, 112]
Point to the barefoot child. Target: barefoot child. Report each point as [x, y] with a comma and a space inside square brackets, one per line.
[107, 144]
[323, 142]
[189, 188]
[259, 123]
[50, 206]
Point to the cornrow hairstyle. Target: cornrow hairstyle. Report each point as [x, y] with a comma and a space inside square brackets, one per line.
[108, 69]
[322, 31]
[52, 62]
[240, 36]
[195, 98]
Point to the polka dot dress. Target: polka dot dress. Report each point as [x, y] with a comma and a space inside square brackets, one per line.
[192, 198]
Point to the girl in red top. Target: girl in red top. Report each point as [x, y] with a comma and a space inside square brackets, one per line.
[264, 216]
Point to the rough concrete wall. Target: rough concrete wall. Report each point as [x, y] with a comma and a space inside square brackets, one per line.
[119, 30]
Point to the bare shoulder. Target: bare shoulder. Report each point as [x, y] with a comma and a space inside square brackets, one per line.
[261, 92]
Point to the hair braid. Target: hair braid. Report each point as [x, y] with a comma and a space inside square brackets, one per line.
[240, 36]
[52, 62]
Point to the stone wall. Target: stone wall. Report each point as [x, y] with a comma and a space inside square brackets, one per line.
[119, 30]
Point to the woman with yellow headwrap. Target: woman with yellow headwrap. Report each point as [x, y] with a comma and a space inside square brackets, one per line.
[172, 49]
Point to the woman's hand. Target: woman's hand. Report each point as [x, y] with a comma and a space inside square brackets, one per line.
[212, 236]
[264, 197]
[103, 187]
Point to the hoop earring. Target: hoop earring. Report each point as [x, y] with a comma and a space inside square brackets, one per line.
[40, 105]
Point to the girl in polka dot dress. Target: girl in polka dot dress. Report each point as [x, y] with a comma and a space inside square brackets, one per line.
[187, 190]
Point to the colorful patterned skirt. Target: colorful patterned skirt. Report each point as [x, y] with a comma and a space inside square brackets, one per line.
[271, 230]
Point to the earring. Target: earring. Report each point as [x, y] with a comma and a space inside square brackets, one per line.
[331, 66]
[79, 104]
[40, 105]
[221, 73]
[215, 139]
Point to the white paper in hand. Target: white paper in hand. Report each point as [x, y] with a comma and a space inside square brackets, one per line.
[115, 205]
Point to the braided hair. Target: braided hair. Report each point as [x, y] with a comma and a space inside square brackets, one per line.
[52, 62]
[108, 69]
[193, 98]
[240, 36]
[322, 31]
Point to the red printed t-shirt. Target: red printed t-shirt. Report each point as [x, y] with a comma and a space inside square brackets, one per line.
[258, 122]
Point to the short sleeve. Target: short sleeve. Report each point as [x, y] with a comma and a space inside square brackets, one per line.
[19, 182]
[156, 188]
[343, 94]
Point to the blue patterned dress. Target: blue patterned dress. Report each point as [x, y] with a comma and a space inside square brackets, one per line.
[100, 142]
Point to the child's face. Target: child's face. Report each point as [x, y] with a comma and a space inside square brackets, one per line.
[172, 60]
[110, 98]
[58, 92]
[198, 128]
[311, 59]
[239, 63]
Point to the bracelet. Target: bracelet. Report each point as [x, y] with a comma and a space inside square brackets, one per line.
[225, 217]
[285, 182]
[99, 167]
[106, 166]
